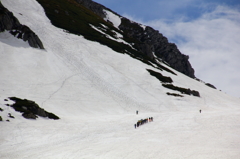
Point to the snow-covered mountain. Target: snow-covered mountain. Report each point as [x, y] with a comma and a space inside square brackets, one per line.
[95, 80]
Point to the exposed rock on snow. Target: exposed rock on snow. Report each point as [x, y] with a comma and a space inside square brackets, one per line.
[210, 85]
[182, 90]
[10, 23]
[30, 109]
[160, 76]
[174, 94]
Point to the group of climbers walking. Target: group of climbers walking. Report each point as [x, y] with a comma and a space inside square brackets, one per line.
[143, 121]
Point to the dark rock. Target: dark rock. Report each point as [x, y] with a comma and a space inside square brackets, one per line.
[195, 93]
[52, 116]
[210, 85]
[41, 112]
[66, 12]
[160, 77]
[29, 115]
[10, 115]
[1, 118]
[182, 90]
[1, 109]
[174, 94]
[93, 6]
[10, 23]
[188, 91]
[30, 109]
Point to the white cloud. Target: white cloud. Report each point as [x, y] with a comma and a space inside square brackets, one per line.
[213, 44]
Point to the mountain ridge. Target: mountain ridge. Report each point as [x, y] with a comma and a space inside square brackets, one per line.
[148, 42]
[152, 40]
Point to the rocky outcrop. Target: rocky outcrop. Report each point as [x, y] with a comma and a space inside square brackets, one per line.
[10, 23]
[182, 90]
[149, 40]
[210, 85]
[30, 109]
[160, 77]
[94, 7]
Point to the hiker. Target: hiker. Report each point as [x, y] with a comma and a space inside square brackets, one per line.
[137, 112]
[135, 126]
[200, 110]
[138, 124]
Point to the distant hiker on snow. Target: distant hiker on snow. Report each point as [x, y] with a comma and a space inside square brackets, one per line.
[200, 110]
[137, 112]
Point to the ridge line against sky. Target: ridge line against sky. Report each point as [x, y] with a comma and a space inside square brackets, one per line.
[206, 30]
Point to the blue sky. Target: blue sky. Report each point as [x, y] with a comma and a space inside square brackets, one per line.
[166, 9]
[206, 30]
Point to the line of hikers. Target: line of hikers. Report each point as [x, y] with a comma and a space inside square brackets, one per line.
[143, 121]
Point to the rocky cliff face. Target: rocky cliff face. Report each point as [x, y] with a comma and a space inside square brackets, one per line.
[150, 41]
[95, 7]
[10, 23]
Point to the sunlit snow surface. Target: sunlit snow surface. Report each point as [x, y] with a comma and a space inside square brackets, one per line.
[115, 19]
[96, 92]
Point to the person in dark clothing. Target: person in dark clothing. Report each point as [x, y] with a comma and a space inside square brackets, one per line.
[135, 126]
[137, 112]
[200, 110]
[138, 123]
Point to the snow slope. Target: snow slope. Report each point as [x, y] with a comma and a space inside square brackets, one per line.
[96, 91]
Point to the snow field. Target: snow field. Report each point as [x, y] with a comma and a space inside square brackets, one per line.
[171, 135]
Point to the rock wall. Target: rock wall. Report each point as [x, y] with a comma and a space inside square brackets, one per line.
[93, 6]
[149, 40]
[10, 23]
